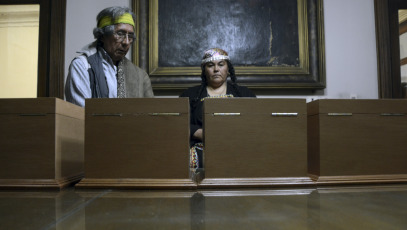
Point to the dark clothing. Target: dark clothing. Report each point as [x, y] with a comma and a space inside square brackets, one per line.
[93, 74]
[196, 105]
[97, 77]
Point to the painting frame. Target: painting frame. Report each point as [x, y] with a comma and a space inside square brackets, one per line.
[309, 74]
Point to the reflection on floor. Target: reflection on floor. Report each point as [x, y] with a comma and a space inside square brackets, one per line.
[355, 207]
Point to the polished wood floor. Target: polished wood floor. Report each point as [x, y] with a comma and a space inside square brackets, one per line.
[352, 207]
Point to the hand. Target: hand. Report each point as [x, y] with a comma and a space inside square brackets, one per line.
[198, 134]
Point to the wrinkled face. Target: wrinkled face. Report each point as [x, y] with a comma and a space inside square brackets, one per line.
[116, 47]
[216, 73]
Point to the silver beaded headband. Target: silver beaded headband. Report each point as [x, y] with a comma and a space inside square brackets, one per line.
[214, 54]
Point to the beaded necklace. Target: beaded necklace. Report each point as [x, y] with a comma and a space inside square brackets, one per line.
[218, 96]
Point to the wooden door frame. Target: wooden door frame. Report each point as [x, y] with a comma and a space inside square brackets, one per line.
[388, 48]
[51, 45]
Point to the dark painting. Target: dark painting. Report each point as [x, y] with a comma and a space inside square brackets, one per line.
[271, 43]
[253, 32]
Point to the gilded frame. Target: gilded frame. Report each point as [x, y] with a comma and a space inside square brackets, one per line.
[309, 74]
[136, 49]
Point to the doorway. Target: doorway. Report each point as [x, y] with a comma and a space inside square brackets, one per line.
[19, 31]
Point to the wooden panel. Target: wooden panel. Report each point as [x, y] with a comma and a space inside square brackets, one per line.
[136, 146]
[363, 147]
[27, 146]
[136, 105]
[313, 134]
[363, 106]
[255, 146]
[69, 146]
[388, 46]
[384, 51]
[42, 144]
[137, 142]
[41, 106]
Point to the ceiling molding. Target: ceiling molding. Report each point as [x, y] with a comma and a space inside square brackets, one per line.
[19, 19]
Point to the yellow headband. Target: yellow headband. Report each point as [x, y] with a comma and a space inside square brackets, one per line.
[107, 21]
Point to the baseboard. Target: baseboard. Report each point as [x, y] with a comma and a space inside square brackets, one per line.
[359, 179]
[255, 182]
[126, 183]
[40, 183]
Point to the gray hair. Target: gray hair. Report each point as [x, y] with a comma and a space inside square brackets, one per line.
[114, 12]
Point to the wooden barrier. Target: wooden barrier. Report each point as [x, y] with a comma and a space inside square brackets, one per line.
[253, 142]
[137, 143]
[41, 143]
[357, 141]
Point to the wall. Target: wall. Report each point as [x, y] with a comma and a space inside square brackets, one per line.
[350, 45]
[19, 26]
[403, 54]
[351, 59]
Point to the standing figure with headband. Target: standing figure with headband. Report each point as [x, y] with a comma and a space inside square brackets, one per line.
[101, 69]
[216, 68]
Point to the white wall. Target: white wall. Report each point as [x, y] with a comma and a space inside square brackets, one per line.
[403, 54]
[350, 45]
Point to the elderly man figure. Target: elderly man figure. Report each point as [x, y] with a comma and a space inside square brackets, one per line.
[101, 69]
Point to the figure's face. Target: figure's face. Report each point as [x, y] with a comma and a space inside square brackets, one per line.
[118, 47]
[216, 73]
